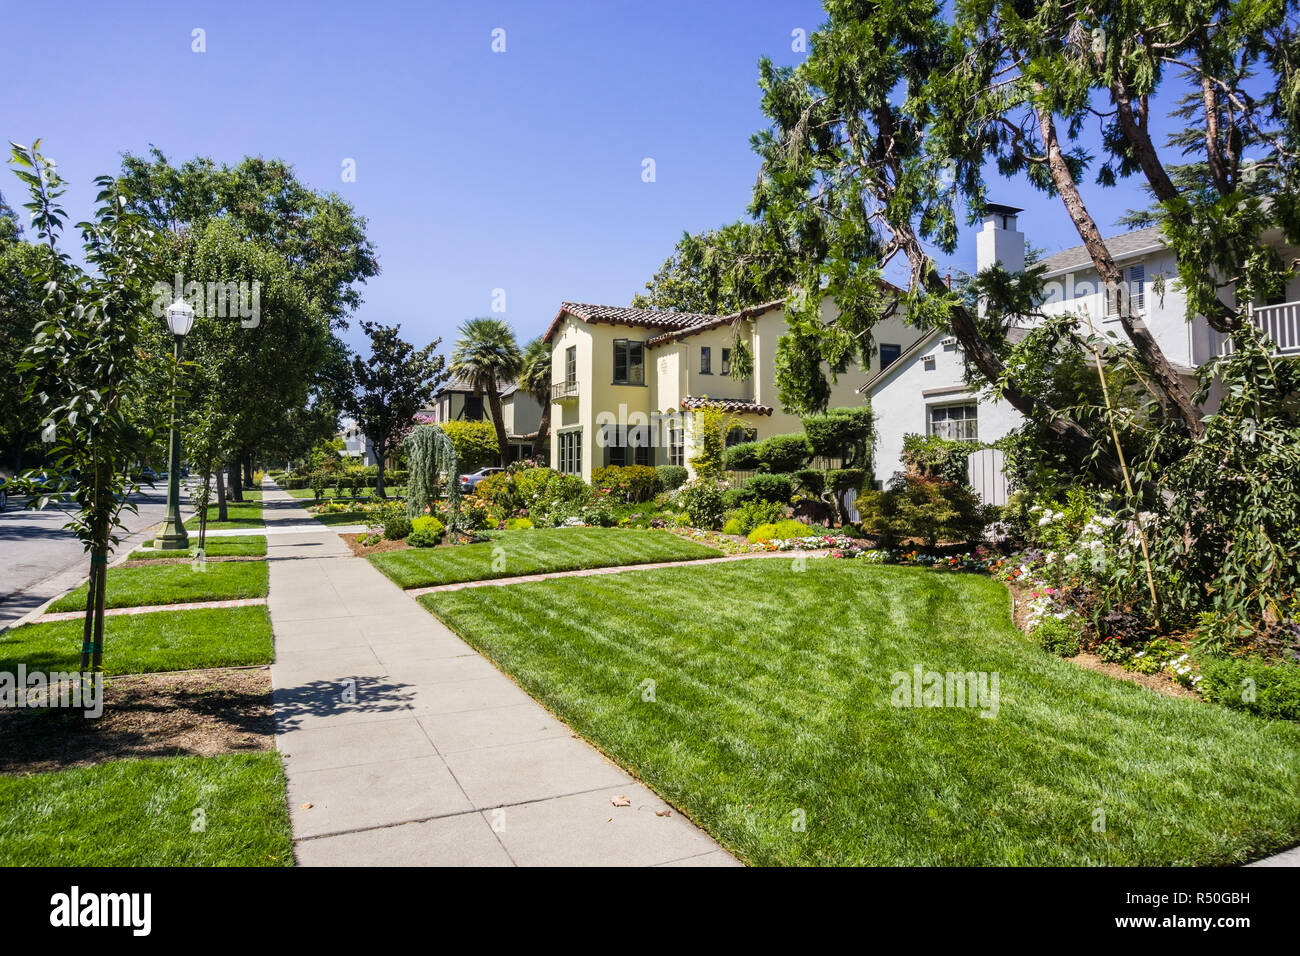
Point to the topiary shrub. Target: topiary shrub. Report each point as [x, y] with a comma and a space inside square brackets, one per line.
[932, 456]
[782, 454]
[811, 480]
[426, 532]
[770, 487]
[922, 508]
[671, 477]
[733, 498]
[518, 524]
[742, 457]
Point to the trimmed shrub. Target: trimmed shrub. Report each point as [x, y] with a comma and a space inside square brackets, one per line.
[752, 514]
[632, 483]
[742, 457]
[733, 498]
[782, 454]
[1253, 684]
[771, 487]
[397, 526]
[841, 431]
[518, 524]
[475, 444]
[671, 477]
[781, 531]
[811, 480]
[922, 508]
[426, 532]
[932, 456]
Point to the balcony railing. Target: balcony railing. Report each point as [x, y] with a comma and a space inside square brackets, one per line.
[564, 391]
[1281, 323]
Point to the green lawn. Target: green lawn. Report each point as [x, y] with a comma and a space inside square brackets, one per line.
[174, 584]
[535, 551]
[242, 545]
[142, 643]
[772, 704]
[365, 493]
[142, 813]
[247, 514]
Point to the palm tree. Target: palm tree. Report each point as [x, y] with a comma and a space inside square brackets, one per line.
[486, 355]
[535, 379]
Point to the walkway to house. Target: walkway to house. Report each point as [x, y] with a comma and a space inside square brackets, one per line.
[403, 746]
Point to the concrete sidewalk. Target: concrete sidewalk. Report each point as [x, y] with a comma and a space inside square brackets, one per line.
[403, 746]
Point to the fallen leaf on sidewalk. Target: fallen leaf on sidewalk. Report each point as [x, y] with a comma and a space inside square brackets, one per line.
[663, 813]
[306, 806]
[620, 801]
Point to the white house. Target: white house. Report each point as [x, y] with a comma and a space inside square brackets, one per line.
[925, 390]
[356, 447]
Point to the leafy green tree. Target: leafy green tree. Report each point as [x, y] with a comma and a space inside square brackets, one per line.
[475, 443]
[487, 356]
[535, 379]
[20, 312]
[390, 387]
[85, 367]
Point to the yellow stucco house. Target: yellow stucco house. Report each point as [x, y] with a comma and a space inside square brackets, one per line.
[625, 381]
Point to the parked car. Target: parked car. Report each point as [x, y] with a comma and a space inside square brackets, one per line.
[148, 476]
[470, 482]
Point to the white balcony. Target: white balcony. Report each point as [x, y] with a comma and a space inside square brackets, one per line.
[1280, 322]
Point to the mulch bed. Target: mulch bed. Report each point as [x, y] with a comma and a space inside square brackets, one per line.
[203, 713]
[380, 546]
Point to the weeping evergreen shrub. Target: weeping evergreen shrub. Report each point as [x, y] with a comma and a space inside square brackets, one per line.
[432, 458]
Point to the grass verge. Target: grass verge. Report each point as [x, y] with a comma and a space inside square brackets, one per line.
[144, 643]
[174, 584]
[225, 546]
[142, 813]
[246, 514]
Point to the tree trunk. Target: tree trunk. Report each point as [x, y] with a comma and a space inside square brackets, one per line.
[222, 514]
[203, 508]
[503, 441]
[543, 429]
[88, 621]
[379, 476]
[235, 484]
[1175, 396]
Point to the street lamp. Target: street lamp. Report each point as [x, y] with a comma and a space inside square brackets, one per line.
[180, 317]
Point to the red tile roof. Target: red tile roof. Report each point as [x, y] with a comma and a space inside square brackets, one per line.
[734, 405]
[674, 324]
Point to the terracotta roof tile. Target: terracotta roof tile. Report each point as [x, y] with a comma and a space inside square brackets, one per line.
[734, 405]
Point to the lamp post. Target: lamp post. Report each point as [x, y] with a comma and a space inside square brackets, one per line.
[173, 537]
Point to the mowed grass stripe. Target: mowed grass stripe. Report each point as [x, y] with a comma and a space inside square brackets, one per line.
[536, 551]
[146, 643]
[772, 694]
[146, 585]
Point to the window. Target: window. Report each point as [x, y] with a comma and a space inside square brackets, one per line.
[676, 443]
[473, 410]
[626, 446]
[889, 354]
[928, 363]
[629, 362]
[1135, 289]
[571, 365]
[571, 452]
[740, 434]
[706, 360]
[726, 361]
[954, 421]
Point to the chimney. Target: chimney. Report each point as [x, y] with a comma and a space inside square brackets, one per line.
[999, 241]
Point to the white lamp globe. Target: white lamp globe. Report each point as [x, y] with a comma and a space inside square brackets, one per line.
[180, 317]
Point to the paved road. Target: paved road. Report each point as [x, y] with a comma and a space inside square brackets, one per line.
[39, 560]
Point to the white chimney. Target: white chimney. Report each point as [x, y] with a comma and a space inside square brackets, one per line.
[999, 242]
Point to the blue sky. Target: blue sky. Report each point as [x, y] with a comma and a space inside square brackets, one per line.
[476, 170]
